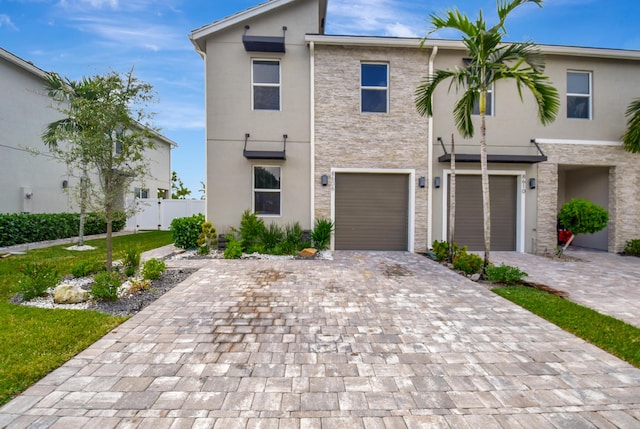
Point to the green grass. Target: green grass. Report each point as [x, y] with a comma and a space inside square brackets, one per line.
[35, 341]
[608, 333]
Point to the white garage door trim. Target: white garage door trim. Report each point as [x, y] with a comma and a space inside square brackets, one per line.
[412, 196]
[521, 201]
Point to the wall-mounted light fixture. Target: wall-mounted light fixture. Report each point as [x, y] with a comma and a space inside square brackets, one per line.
[436, 182]
[532, 183]
[65, 184]
[324, 180]
[28, 195]
[421, 181]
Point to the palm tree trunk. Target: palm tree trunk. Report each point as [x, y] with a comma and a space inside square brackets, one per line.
[452, 200]
[486, 207]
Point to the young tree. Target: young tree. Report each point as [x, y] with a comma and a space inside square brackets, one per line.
[631, 138]
[581, 217]
[179, 191]
[490, 60]
[101, 136]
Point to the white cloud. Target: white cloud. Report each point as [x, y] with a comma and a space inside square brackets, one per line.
[375, 17]
[5, 21]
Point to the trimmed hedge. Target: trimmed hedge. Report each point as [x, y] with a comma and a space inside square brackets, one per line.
[19, 228]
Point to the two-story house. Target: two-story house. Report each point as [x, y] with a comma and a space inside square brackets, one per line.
[31, 180]
[302, 125]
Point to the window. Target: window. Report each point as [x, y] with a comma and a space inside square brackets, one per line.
[142, 193]
[267, 188]
[374, 84]
[579, 95]
[266, 85]
[489, 107]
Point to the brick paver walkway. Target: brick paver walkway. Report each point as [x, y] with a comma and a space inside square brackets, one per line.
[369, 340]
[605, 282]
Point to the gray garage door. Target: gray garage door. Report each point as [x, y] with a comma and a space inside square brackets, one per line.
[372, 211]
[469, 220]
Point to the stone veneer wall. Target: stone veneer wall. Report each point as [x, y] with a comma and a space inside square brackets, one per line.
[624, 191]
[347, 138]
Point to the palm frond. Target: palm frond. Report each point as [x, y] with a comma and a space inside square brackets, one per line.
[455, 20]
[631, 138]
[424, 91]
[505, 7]
[462, 113]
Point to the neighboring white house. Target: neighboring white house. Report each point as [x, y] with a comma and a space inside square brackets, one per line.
[31, 180]
[302, 125]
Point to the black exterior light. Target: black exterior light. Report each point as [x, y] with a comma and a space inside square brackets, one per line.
[532, 183]
[324, 180]
[422, 182]
[436, 182]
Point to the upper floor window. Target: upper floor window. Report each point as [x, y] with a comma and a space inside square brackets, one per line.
[489, 103]
[579, 95]
[141, 192]
[266, 84]
[267, 190]
[374, 84]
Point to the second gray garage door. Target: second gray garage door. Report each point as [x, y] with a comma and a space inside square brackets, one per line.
[371, 211]
[469, 230]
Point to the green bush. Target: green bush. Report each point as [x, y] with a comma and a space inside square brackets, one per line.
[468, 263]
[292, 241]
[271, 237]
[441, 250]
[632, 248]
[234, 247]
[37, 278]
[206, 239]
[86, 268]
[321, 234]
[582, 217]
[106, 286]
[251, 229]
[131, 261]
[153, 268]
[186, 231]
[19, 228]
[505, 274]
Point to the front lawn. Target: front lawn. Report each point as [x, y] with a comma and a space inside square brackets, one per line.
[608, 333]
[35, 341]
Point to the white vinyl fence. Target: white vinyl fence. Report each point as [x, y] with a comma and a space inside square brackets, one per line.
[157, 214]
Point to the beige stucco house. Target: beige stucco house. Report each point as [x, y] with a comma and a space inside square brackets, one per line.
[31, 180]
[302, 125]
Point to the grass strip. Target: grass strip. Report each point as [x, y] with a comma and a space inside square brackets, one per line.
[610, 334]
[35, 341]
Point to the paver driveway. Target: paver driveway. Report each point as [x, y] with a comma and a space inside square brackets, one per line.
[369, 340]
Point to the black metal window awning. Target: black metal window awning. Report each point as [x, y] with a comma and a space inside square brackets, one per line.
[263, 43]
[499, 159]
[265, 154]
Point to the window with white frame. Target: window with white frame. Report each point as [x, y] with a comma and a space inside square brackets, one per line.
[141, 193]
[579, 95]
[267, 190]
[489, 103]
[374, 87]
[266, 84]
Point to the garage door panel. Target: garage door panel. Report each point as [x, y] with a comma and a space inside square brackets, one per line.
[371, 211]
[469, 227]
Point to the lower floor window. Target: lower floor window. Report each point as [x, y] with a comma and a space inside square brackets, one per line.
[142, 193]
[267, 190]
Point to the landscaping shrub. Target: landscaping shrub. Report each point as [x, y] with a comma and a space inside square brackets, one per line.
[206, 239]
[632, 248]
[582, 217]
[468, 263]
[186, 231]
[271, 237]
[441, 250]
[37, 278]
[106, 286]
[131, 260]
[234, 247]
[86, 268]
[139, 284]
[153, 268]
[19, 228]
[321, 234]
[292, 241]
[505, 274]
[251, 229]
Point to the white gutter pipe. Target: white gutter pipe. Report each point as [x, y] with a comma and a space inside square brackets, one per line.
[312, 135]
[432, 58]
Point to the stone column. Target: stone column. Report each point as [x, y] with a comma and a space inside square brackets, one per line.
[547, 238]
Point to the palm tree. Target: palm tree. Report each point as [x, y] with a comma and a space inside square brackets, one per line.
[490, 60]
[631, 138]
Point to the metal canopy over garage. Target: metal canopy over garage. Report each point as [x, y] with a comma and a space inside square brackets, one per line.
[469, 230]
[371, 211]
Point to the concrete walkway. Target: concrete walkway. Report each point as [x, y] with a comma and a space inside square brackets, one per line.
[369, 340]
[605, 282]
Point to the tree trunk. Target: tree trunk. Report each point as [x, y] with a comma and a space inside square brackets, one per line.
[452, 200]
[486, 207]
[109, 243]
[83, 210]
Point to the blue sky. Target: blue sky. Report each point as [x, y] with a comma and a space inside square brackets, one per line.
[86, 37]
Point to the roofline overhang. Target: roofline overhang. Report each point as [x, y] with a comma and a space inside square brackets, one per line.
[25, 65]
[408, 42]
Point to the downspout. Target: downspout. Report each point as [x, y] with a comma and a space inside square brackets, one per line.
[312, 134]
[207, 188]
[432, 58]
